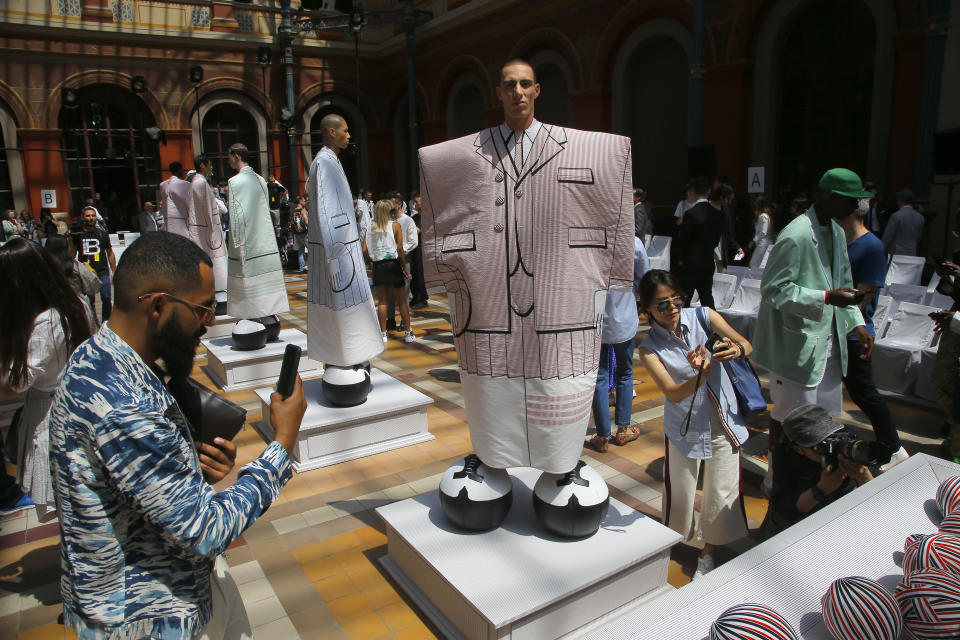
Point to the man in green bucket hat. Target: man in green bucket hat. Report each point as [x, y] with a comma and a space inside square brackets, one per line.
[809, 305]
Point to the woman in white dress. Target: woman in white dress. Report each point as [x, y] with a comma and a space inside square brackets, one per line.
[43, 321]
[762, 232]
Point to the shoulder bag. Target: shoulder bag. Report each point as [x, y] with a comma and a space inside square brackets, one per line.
[746, 384]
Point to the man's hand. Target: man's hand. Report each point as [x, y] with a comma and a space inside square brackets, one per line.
[947, 270]
[866, 341]
[216, 460]
[831, 479]
[860, 473]
[842, 297]
[286, 415]
[942, 320]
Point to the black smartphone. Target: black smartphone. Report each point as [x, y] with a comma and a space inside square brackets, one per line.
[288, 370]
[712, 342]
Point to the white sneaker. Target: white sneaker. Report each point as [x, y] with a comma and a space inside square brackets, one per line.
[899, 456]
[704, 566]
[383, 335]
[409, 337]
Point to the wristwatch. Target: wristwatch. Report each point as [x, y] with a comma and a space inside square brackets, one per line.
[818, 495]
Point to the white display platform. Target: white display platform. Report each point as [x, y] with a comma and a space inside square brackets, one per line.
[393, 416]
[120, 241]
[231, 369]
[224, 327]
[518, 581]
[862, 534]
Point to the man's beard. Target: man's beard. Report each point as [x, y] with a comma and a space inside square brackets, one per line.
[176, 347]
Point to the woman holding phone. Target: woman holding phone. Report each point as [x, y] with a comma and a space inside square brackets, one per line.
[701, 418]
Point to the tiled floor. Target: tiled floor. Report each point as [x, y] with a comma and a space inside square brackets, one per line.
[308, 568]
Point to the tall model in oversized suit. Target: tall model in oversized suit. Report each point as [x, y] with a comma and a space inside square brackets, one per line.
[343, 330]
[526, 254]
[204, 228]
[174, 205]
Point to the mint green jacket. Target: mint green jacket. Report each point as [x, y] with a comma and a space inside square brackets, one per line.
[793, 326]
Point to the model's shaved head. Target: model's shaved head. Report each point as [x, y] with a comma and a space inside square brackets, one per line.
[518, 62]
[331, 121]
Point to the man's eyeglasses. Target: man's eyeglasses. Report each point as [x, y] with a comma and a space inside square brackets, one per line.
[206, 314]
[675, 301]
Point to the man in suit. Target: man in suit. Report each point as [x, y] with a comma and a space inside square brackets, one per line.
[527, 224]
[809, 306]
[203, 223]
[905, 227]
[175, 200]
[699, 234]
[342, 325]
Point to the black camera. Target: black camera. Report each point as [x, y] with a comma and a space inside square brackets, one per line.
[865, 452]
[712, 342]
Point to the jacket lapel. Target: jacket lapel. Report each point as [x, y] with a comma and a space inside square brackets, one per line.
[490, 147]
[548, 144]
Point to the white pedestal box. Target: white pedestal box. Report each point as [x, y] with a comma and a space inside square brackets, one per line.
[224, 327]
[393, 416]
[232, 369]
[518, 581]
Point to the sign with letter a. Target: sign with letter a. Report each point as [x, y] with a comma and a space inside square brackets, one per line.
[755, 180]
[48, 198]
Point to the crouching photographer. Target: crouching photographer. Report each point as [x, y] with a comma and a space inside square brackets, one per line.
[816, 462]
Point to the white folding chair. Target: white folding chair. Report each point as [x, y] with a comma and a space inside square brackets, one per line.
[743, 310]
[905, 269]
[724, 287]
[659, 252]
[886, 307]
[897, 355]
[935, 298]
[906, 292]
[740, 272]
[755, 273]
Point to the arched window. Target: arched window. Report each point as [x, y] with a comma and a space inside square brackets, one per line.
[6, 185]
[657, 126]
[553, 105]
[465, 108]
[825, 94]
[352, 158]
[110, 157]
[224, 124]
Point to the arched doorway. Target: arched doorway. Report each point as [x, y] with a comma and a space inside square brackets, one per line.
[7, 139]
[653, 113]
[825, 93]
[556, 81]
[465, 107]
[224, 124]
[109, 153]
[353, 158]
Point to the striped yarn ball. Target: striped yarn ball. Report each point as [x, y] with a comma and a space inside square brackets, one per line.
[937, 551]
[948, 495]
[751, 622]
[857, 608]
[930, 603]
[951, 524]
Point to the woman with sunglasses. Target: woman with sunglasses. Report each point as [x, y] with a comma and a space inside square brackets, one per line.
[701, 419]
[37, 335]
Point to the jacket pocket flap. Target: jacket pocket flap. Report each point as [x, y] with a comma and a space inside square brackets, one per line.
[462, 241]
[339, 220]
[579, 175]
[587, 237]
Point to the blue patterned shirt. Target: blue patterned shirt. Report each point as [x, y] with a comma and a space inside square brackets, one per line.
[139, 526]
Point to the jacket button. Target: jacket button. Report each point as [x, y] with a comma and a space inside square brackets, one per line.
[498, 177]
[518, 193]
[498, 227]
[499, 200]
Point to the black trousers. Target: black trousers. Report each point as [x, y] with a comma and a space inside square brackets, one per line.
[702, 282]
[859, 383]
[418, 288]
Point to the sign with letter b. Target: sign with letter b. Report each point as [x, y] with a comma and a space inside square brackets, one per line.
[48, 198]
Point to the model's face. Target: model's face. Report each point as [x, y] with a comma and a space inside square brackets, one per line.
[340, 136]
[518, 90]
